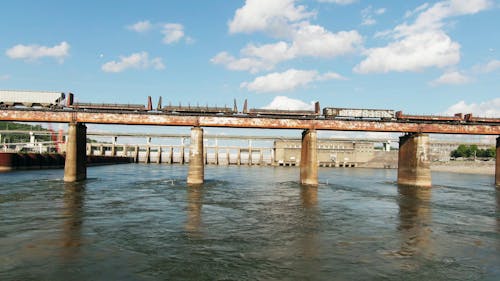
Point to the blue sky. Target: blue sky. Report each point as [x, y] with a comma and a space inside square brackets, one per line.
[423, 57]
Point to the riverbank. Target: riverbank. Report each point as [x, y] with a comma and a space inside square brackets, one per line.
[465, 167]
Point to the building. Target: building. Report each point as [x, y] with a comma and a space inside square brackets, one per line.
[331, 153]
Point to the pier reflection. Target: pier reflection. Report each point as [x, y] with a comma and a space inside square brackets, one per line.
[309, 243]
[73, 202]
[194, 206]
[414, 218]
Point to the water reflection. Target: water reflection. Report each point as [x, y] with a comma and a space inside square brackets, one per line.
[497, 193]
[309, 243]
[414, 219]
[194, 205]
[73, 202]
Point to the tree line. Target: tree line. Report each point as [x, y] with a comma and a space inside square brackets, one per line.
[468, 151]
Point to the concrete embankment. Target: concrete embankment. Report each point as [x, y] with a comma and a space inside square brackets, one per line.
[19, 161]
[389, 159]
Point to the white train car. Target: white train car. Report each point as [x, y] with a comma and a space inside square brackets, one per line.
[358, 113]
[30, 98]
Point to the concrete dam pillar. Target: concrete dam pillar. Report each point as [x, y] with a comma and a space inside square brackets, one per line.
[309, 158]
[497, 167]
[196, 166]
[414, 167]
[75, 166]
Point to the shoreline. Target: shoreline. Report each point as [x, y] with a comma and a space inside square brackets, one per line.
[465, 167]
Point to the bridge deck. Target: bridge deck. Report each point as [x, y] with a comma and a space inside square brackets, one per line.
[159, 119]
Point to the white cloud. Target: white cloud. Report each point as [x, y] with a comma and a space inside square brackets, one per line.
[299, 37]
[253, 65]
[173, 33]
[4, 77]
[141, 26]
[491, 66]
[287, 81]
[315, 41]
[286, 103]
[423, 43]
[340, 2]
[34, 52]
[489, 108]
[413, 53]
[273, 17]
[136, 61]
[452, 78]
[368, 13]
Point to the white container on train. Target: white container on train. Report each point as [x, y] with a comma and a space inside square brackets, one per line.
[358, 113]
[30, 98]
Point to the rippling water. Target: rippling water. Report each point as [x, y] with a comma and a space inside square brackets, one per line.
[141, 222]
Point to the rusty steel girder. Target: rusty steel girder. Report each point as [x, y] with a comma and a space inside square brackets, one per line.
[158, 119]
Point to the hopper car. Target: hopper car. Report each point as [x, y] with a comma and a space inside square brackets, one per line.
[9, 98]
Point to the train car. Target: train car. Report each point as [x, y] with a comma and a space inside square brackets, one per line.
[197, 109]
[282, 112]
[70, 103]
[457, 118]
[210, 110]
[473, 119]
[358, 113]
[10, 98]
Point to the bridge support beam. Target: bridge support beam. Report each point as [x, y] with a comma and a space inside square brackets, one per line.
[309, 158]
[196, 166]
[497, 169]
[413, 164]
[75, 166]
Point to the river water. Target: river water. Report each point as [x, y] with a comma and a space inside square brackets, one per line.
[141, 222]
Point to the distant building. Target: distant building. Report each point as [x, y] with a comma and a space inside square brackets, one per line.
[441, 150]
[331, 153]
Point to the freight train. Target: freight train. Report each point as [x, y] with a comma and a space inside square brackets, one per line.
[58, 100]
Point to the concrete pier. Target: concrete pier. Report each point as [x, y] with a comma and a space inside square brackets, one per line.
[413, 162]
[309, 158]
[196, 166]
[497, 169]
[75, 166]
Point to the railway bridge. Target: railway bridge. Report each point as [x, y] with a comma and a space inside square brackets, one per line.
[414, 163]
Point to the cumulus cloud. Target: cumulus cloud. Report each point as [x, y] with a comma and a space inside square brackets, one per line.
[286, 81]
[173, 33]
[316, 41]
[489, 108]
[34, 52]
[134, 61]
[141, 26]
[286, 103]
[287, 21]
[273, 17]
[413, 53]
[422, 43]
[452, 78]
